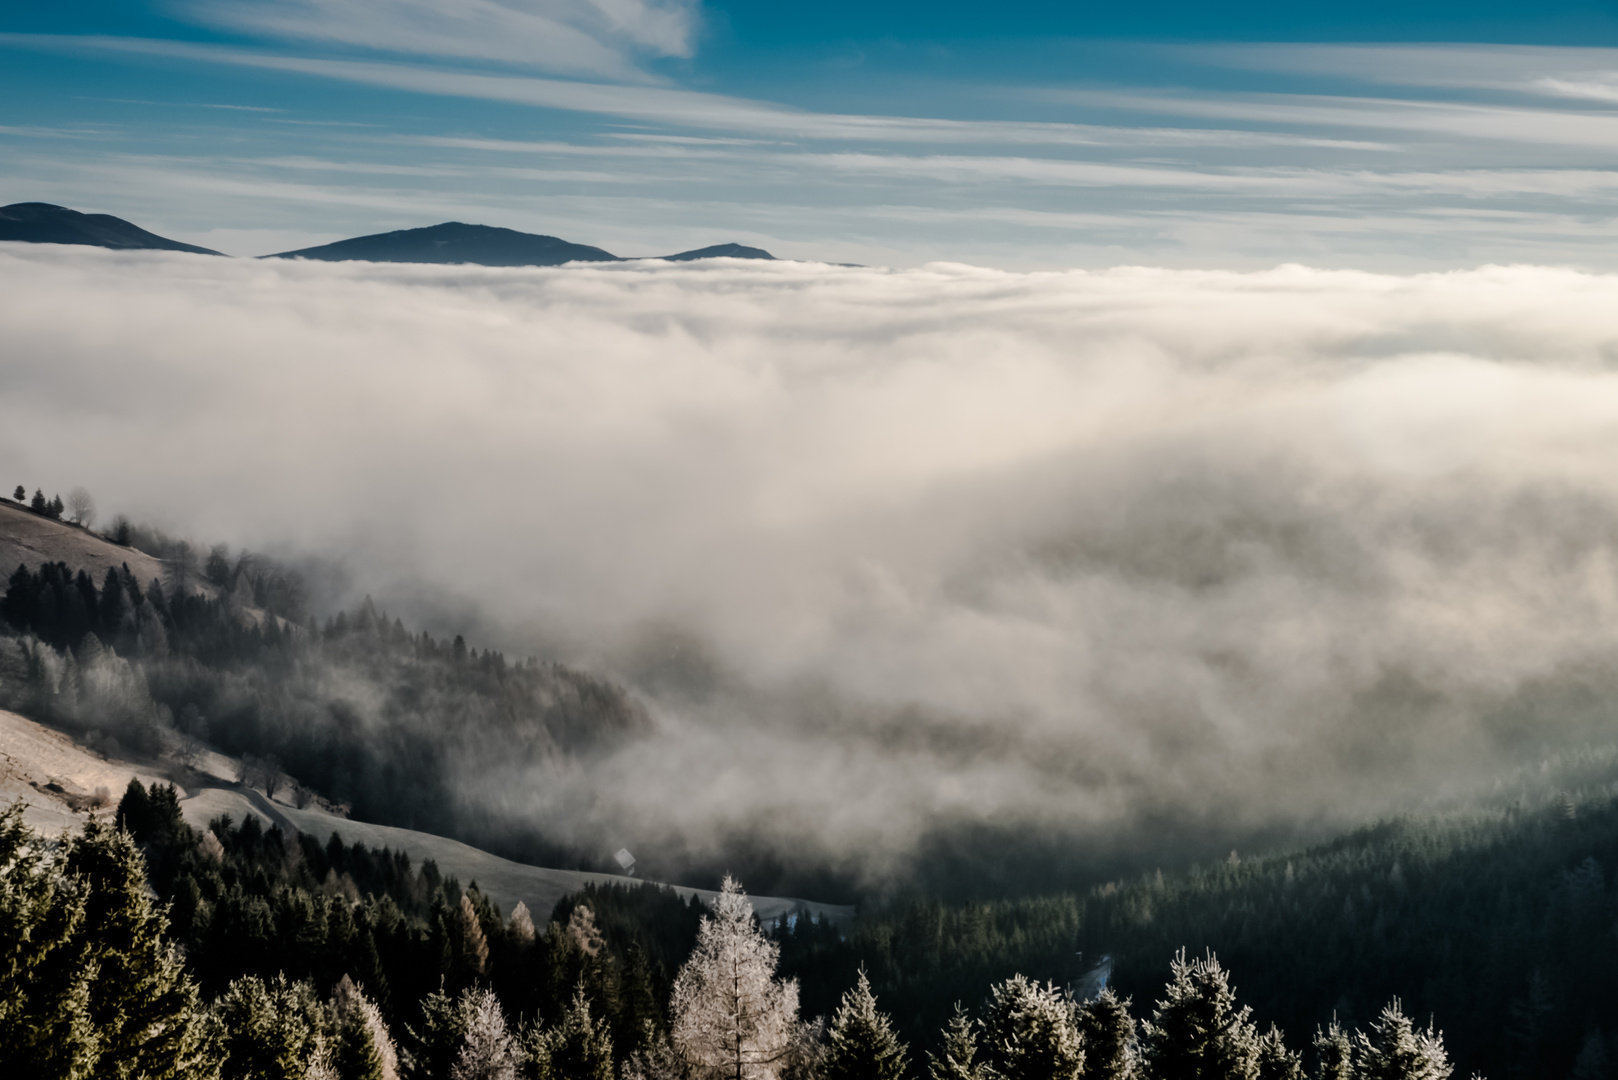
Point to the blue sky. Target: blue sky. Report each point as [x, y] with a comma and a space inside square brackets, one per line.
[1375, 135]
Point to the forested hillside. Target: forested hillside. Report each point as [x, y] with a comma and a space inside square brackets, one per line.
[359, 708]
[1501, 921]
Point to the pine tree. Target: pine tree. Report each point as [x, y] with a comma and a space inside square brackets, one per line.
[488, 1052]
[860, 1043]
[363, 1047]
[577, 1047]
[1197, 1030]
[20, 494]
[39, 504]
[45, 1029]
[1593, 1062]
[957, 1059]
[148, 1012]
[1335, 1052]
[1275, 1061]
[731, 1016]
[1108, 1034]
[434, 1046]
[1030, 1032]
[270, 1030]
[1395, 1049]
[655, 1060]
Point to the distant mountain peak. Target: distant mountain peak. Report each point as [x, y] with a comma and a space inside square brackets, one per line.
[455, 242]
[47, 223]
[720, 251]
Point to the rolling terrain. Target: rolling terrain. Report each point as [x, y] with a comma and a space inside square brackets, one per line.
[60, 778]
[31, 540]
[448, 243]
[45, 223]
[66, 781]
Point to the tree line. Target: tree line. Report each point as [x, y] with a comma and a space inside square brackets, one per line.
[99, 979]
[358, 708]
[1497, 918]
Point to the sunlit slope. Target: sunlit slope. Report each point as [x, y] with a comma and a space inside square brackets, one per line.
[34, 757]
[28, 539]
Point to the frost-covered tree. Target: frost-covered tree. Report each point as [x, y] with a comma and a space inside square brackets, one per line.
[1395, 1049]
[860, 1043]
[957, 1059]
[1030, 1032]
[731, 1016]
[1275, 1061]
[1197, 1030]
[1334, 1050]
[363, 1048]
[577, 1047]
[521, 925]
[433, 1045]
[81, 507]
[271, 1030]
[44, 1027]
[145, 1008]
[489, 1052]
[656, 1059]
[474, 946]
[1108, 1032]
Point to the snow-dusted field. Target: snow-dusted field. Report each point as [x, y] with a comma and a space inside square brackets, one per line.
[33, 756]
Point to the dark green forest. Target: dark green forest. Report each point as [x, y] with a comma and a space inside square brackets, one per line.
[261, 957]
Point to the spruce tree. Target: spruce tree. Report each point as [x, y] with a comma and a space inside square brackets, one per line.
[362, 1047]
[860, 1043]
[577, 1047]
[270, 1030]
[1197, 1031]
[1395, 1049]
[1334, 1050]
[1275, 1061]
[435, 1043]
[1030, 1032]
[20, 494]
[142, 1002]
[957, 1059]
[1108, 1032]
[45, 1028]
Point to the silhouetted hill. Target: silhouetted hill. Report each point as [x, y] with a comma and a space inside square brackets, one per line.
[43, 223]
[721, 251]
[455, 242]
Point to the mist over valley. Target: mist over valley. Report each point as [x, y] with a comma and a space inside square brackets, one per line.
[914, 576]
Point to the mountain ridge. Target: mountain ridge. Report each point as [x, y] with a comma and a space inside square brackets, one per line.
[452, 243]
[47, 223]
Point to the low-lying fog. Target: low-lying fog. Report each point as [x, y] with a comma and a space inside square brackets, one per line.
[890, 549]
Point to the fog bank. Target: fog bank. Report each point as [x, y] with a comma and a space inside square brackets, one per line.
[891, 549]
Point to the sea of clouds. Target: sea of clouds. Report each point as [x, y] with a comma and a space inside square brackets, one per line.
[890, 548]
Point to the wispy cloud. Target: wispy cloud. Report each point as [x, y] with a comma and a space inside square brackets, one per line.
[592, 37]
[1520, 69]
[1455, 120]
[686, 108]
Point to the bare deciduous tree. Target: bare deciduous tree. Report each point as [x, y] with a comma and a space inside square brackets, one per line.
[81, 508]
[732, 1017]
